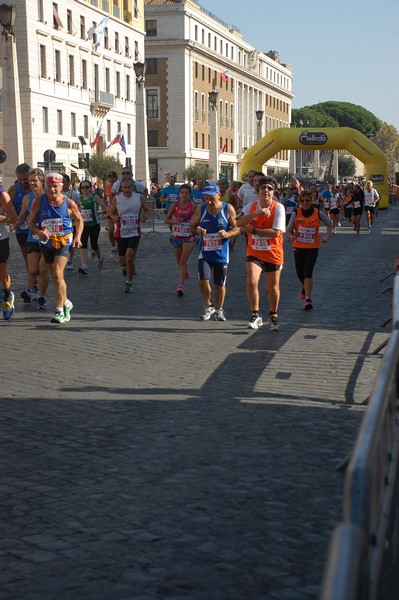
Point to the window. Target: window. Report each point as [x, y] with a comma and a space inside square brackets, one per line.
[84, 74]
[203, 141]
[117, 84]
[57, 24]
[59, 122]
[106, 38]
[196, 69]
[94, 34]
[152, 104]
[203, 37]
[45, 119]
[107, 80]
[136, 9]
[82, 28]
[203, 112]
[196, 109]
[40, 11]
[196, 33]
[152, 66]
[209, 40]
[73, 124]
[203, 72]
[196, 140]
[118, 127]
[136, 51]
[58, 65]
[69, 21]
[108, 130]
[71, 70]
[129, 133]
[152, 138]
[128, 88]
[43, 64]
[151, 27]
[86, 126]
[117, 49]
[127, 48]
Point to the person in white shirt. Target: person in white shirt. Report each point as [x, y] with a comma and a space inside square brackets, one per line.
[371, 197]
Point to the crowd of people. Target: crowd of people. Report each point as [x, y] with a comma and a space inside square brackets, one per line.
[51, 221]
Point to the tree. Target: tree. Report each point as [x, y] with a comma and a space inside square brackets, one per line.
[101, 165]
[387, 138]
[346, 165]
[198, 171]
[337, 114]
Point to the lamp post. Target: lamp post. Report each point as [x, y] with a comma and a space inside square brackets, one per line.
[213, 134]
[12, 120]
[259, 129]
[141, 167]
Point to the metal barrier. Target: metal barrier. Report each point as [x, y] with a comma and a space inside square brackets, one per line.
[364, 549]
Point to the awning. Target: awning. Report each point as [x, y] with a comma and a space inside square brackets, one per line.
[75, 168]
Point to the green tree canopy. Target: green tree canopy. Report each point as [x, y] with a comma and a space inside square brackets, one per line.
[101, 165]
[198, 171]
[337, 114]
[387, 138]
[346, 165]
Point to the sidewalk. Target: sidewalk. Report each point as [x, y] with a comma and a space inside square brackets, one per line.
[149, 455]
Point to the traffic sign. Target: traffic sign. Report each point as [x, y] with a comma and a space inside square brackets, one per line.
[49, 156]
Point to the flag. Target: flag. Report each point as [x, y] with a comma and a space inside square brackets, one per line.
[101, 26]
[122, 144]
[224, 148]
[97, 138]
[223, 76]
[116, 140]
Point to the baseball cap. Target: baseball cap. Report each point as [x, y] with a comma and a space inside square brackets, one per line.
[223, 180]
[211, 189]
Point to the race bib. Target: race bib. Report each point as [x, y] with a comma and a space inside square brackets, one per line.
[356, 204]
[260, 243]
[53, 226]
[87, 215]
[129, 225]
[181, 229]
[306, 235]
[212, 241]
[24, 225]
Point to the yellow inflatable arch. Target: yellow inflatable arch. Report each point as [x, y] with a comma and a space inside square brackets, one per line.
[327, 138]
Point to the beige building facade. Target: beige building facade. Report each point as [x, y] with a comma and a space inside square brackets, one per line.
[76, 77]
[189, 53]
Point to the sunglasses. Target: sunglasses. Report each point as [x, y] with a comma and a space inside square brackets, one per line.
[269, 188]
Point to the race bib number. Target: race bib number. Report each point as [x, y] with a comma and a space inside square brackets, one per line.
[87, 215]
[181, 229]
[172, 197]
[24, 225]
[356, 204]
[260, 243]
[212, 241]
[306, 235]
[53, 226]
[129, 225]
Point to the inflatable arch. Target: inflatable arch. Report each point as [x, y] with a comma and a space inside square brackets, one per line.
[327, 138]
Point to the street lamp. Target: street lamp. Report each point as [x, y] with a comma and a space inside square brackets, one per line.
[259, 117]
[12, 125]
[8, 14]
[140, 69]
[213, 133]
[141, 168]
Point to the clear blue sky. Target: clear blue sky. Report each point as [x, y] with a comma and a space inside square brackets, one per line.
[345, 50]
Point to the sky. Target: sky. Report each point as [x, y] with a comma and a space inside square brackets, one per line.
[345, 50]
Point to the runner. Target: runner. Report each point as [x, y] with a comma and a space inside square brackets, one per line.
[68, 191]
[214, 223]
[371, 196]
[17, 193]
[290, 203]
[36, 264]
[358, 203]
[127, 209]
[50, 220]
[92, 227]
[335, 209]
[8, 216]
[264, 222]
[303, 231]
[110, 224]
[179, 217]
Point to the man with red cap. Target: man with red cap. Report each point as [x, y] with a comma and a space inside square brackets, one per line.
[50, 220]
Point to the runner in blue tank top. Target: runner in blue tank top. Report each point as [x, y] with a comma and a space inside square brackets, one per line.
[214, 222]
[51, 221]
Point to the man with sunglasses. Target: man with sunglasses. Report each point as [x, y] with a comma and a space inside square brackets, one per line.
[264, 222]
[303, 231]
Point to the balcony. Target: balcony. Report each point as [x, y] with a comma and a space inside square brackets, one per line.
[101, 103]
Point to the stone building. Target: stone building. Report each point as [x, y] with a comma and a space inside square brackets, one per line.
[189, 53]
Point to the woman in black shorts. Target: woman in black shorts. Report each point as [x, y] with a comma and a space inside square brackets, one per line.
[358, 204]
